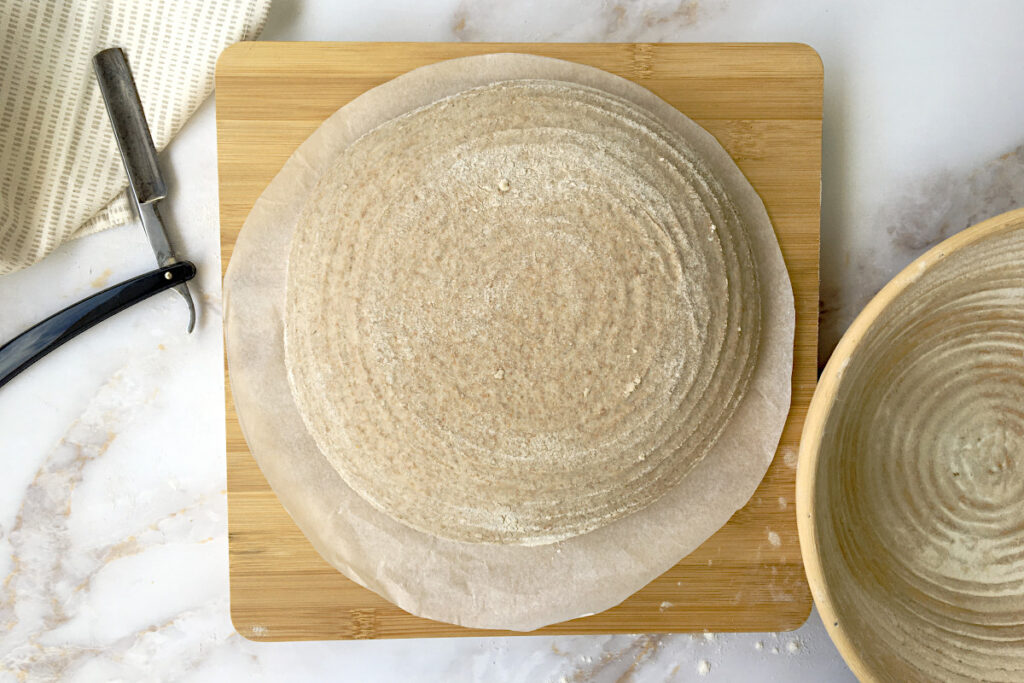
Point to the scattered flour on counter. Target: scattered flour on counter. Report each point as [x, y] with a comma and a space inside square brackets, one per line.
[790, 457]
[703, 667]
[759, 645]
[793, 646]
[783, 502]
[665, 605]
[774, 539]
[709, 636]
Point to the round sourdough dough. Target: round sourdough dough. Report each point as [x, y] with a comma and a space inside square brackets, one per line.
[519, 313]
[458, 324]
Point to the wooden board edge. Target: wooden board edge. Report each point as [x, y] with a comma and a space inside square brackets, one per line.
[240, 51]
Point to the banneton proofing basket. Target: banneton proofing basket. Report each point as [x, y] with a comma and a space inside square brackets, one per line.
[910, 484]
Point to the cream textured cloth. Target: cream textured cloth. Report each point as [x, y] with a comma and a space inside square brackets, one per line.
[60, 173]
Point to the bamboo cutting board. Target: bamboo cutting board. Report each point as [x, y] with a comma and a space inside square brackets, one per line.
[764, 104]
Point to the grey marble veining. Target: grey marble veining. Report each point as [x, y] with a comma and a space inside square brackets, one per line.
[918, 216]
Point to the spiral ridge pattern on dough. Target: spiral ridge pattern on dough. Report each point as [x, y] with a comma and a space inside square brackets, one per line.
[922, 493]
[519, 313]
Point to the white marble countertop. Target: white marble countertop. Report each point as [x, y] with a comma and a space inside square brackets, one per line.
[113, 532]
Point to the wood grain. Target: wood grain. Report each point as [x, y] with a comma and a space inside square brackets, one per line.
[762, 102]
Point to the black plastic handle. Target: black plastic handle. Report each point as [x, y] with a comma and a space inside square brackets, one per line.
[39, 340]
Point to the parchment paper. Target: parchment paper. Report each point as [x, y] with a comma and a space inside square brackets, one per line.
[482, 585]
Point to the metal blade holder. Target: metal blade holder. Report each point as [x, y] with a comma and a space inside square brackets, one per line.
[147, 187]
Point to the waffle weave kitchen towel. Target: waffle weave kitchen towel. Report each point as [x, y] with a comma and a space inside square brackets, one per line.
[60, 173]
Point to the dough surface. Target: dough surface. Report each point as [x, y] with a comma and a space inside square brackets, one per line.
[519, 313]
